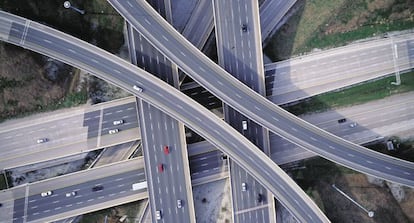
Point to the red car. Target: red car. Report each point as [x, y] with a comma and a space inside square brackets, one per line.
[160, 167]
[166, 150]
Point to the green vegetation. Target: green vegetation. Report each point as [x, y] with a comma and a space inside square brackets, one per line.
[359, 94]
[332, 23]
[3, 184]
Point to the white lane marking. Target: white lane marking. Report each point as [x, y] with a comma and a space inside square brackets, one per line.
[351, 155]
[388, 168]
[80, 202]
[293, 129]
[331, 147]
[407, 173]
[100, 197]
[47, 41]
[45, 211]
[58, 208]
[34, 207]
[221, 83]
[370, 162]
[90, 200]
[159, 94]
[257, 108]
[121, 185]
[72, 51]
[204, 164]
[182, 53]
[202, 69]
[69, 205]
[164, 37]
[119, 179]
[313, 139]
[95, 61]
[275, 119]
[237, 95]
[55, 202]
[147, 21]
[112, 195]
[122, 192]
[32, 201]
[129, 3]
[130, 108]
[36, 213]
[117, 71]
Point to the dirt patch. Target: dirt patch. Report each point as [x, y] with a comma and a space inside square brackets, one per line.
[317, 179]
[24, 86]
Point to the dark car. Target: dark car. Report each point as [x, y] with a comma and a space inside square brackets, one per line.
[260, 198]
[97, 188]
[342, 120]
[244, 28]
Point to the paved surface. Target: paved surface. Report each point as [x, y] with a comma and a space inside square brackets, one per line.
[239, 53]
[256, 170]
[313, 74]
[271, 13]
[255, 107]
[68, 133]
[159, 130]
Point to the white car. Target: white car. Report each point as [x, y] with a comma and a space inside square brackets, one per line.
[42, 140]
[354, 124]
[137, 88]
[118, 122]
[179, 204]
[158, 215]
[113, 131]
[244, 125]
[244, 187]
[46, 193]
[70, 194]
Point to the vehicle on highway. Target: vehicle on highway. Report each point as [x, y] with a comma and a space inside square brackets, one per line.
[244, 125]
[244, 186]
[354, 124]
[140, 185]
[70, 194]
[179, 204]
[160, 167]
[158, 215]
[42, 140]
[97, 188]
[166, 150]
[260, 198]
[118, 122]
[342, 120]
[137, 88]
[223, 156]
[113, 131]
[244, 28]
[46, 193]
[1, 205]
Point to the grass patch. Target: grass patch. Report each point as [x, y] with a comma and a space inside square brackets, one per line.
[331, 23]
[354, 95]
[3, 184]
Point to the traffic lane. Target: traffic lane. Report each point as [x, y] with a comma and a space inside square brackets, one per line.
[168, 181]
[39, 207]
[185, 118]
[125, 113]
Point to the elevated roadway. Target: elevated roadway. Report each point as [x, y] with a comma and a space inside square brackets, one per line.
[256, 107]
[67, 133]
[372, 117]
[160, 130]
[53, 43]
[240, 53]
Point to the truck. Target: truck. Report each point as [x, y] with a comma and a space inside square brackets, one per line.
[139, 186]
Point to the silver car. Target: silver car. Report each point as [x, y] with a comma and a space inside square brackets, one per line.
[46, 193]
[118, 122]
[70, 194]
[42, 140]
[158, 215]
[244, 187]
[113, 131]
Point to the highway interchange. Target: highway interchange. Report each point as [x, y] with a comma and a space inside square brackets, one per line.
[26, 39]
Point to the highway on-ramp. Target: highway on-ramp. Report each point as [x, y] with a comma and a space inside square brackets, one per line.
[50, 42]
